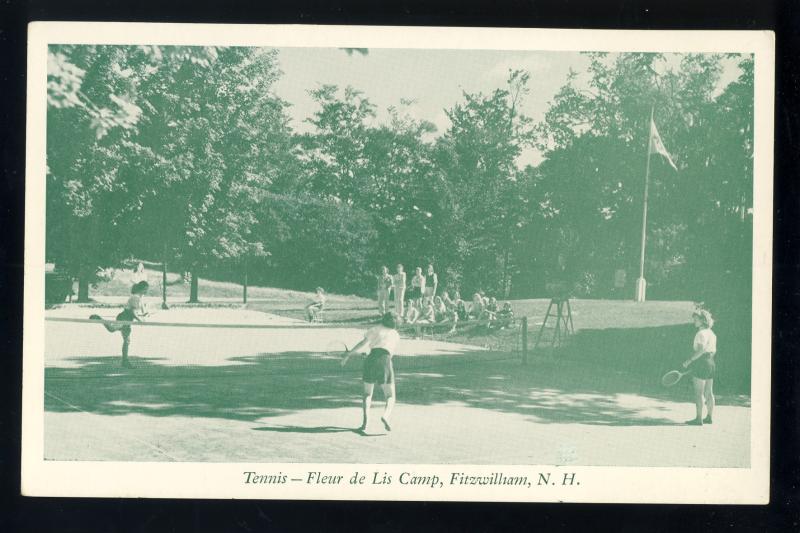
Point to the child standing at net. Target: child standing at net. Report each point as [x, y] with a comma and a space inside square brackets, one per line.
[382, 341]
[701, 367]
[135, 310]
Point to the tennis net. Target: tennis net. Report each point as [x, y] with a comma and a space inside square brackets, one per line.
[178, 344]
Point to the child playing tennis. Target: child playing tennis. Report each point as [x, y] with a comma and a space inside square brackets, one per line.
[701, 366]
[382, 341]
[135, 310]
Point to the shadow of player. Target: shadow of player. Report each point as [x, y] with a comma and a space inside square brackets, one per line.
[317, 429]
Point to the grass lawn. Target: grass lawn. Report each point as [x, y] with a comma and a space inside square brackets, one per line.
[209, 290]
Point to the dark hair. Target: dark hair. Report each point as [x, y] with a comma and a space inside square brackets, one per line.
[388, 320]
[140, 288]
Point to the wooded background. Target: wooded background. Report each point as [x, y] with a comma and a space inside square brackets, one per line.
[185, 155]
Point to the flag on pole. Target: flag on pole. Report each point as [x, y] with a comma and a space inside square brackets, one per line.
[657, 145]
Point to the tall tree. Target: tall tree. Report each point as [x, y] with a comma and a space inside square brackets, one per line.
[175, 178]
[92, 114]
[595, 136]
[479, 154]
[221, 137]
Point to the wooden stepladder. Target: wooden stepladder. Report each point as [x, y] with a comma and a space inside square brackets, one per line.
[564, 325]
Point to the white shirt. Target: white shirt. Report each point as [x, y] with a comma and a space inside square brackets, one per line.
[382, 337]
[705, 341]
[136, 304]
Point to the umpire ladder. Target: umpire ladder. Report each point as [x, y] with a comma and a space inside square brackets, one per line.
[564, 326]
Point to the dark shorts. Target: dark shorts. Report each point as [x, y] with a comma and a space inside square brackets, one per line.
[703, 367]
[413, 293]
[125, 316]
[378, 367]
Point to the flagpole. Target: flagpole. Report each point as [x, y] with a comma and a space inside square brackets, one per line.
[641, 284]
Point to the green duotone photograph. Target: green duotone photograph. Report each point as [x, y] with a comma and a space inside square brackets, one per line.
[398, 256]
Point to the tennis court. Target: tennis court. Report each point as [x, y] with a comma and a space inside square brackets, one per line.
[272, 390]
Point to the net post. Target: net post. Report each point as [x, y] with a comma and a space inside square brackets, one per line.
[524, 340]
[244, 286]
[164, 284]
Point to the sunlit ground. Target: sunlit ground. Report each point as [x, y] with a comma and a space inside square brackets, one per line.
[280, 395]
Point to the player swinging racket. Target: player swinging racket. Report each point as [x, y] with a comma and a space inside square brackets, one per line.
[135, 310]
[378, 370]
[701, 366]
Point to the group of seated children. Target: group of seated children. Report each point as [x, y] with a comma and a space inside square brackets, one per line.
[482, 308]
[439, 310]
[420, 312]
[447, 309]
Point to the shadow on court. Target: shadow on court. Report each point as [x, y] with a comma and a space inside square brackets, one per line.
[591, 382]
[304, 429]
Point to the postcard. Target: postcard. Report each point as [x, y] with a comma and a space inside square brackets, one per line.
[398, 263]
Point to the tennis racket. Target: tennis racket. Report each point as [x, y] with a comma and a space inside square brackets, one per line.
[672, 377]
[334, 348]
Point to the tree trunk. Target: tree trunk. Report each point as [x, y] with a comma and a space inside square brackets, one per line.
[83, 289]
[505, 275]
[193, 287]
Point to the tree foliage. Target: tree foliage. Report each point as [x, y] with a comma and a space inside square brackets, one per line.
[185, 154]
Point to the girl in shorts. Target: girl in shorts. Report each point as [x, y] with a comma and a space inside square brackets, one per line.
[417, 287]
[431, 283]
[702, 367]
[135, 310]
[382, 341]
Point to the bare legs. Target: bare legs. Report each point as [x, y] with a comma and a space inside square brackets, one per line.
[312, 310]
[383, 301]
[703, 394]
[126, 344]
[708, 392]
[366, 403]
[399, 304]
[698, 385]
[388, 393]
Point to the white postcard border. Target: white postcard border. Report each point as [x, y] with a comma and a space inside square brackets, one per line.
[226, 480]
